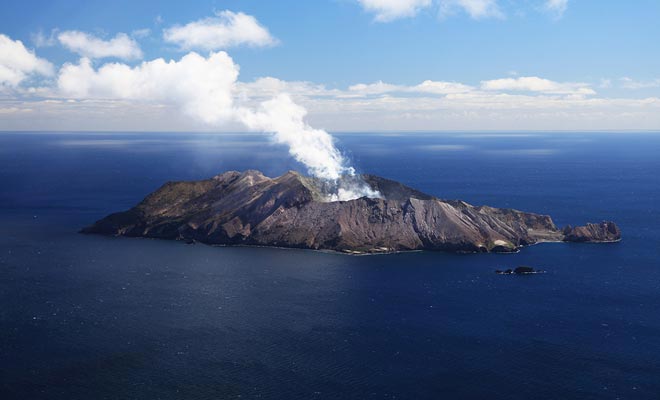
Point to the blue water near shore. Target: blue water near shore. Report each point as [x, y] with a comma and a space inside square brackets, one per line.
[92, 317]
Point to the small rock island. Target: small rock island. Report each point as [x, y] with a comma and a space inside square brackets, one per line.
[248, 208]
[521, 270]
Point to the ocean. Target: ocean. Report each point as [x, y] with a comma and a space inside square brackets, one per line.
[93, 317]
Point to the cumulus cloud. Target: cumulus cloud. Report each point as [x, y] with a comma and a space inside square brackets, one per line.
[390, 10]
[227, 29]
[87, 45]
[202, 86]
[536, 84]
[476, 9]
[556, 7]
[17, 63]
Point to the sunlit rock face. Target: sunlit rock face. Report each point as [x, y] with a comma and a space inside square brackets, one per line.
[292, 210]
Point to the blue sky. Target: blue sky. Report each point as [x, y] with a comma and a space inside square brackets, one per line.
[605, 51]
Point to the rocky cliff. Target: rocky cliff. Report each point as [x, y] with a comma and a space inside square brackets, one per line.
[248, 208]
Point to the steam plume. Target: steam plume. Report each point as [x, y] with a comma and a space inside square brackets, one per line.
[203, 87]
[312, 147]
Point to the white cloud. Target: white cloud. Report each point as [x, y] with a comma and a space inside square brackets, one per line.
[18, 63]
[151, 94]
[428, 86]
[121, 46]
[227, 29]
[476, 9]
[13, 110]
[484, 111]
[389, 10]
[476, 110]
[159, 88]
[629, 83]
[335, 110]
[268, 87]
[141, 33]
[556, 7]
[202, 86]
[379, 87]
[439, 87]
[41, 40]
[536, 84]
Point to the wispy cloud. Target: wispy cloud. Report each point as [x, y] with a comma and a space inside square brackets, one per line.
[476, 9]
[87, 45]
[41, 40]
[629, 83]
[536, 84]
[428, 86]
[556, 7]
[520, 84]
[390, 10]
[441, 87]
[442, 147]
[14, 110]
[379, 87]
[141, 33]
[227, 29]
[522, 152]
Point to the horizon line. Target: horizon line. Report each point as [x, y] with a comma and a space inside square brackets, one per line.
[468, 131]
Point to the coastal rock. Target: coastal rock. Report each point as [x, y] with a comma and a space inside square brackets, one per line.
[248, 208]
[602, 232]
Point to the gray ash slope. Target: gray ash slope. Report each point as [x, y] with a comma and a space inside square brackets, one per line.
[248, 208]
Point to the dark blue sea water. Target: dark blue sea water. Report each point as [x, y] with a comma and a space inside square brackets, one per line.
[91, 317]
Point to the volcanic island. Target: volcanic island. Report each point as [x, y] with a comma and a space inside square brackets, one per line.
[295, 211]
